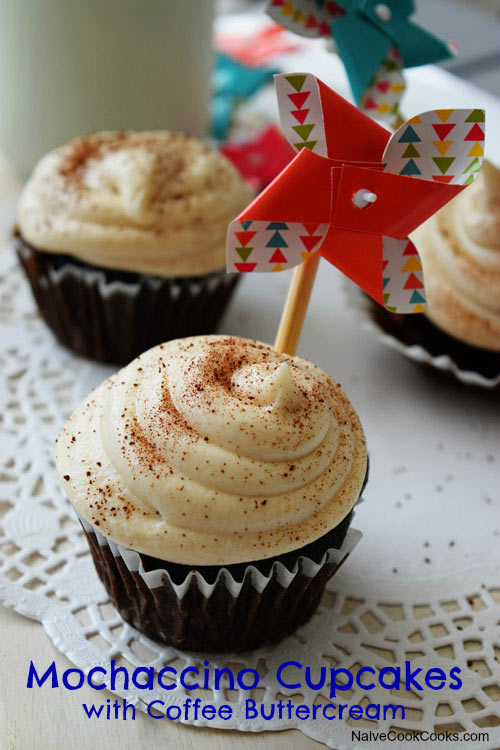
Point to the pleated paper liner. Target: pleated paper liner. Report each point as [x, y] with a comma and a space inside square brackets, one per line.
[113, 316]
[418, 339]
[216, 608]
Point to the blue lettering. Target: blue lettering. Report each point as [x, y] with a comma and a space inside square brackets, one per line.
[250, 710]
[51, 671]
[219, 674]
[173, 712]
[456, 683]
[114, 672]
[329, 705]
[410, 677]
[360, 684]
[225, 712]
[65, 679]
[185, 684]
[375, 714]
[322, 679]
[279, 673]
[334, 686]
[150, 681]
[435, 675]
[395, 672]
[165, 685]
[91, 674]
[151, 705]
[92, 711]
[252, 672]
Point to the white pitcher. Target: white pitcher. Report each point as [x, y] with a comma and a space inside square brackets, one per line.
[68, 67]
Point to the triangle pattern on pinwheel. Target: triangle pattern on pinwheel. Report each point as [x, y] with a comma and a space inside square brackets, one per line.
[409, 136]
[413, 282]
[310, 242]
[297, 81]
[442, 146]
[416, 298]
[410, 168]
[410, 249]
[303, 131]
[410, 152]
[277, 257]
[443, 163]
[299, 98]
[412, 264]
[443, 129]
[244, 252]
[477, 115]
[307, 144]
[277, 241]
[300, 114]
[244, 237]
[475, 134]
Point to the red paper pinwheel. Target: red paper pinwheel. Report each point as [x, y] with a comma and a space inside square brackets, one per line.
[354, 193]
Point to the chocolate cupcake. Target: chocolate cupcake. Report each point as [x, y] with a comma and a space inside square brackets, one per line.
[215, 480]
[460, 251]
[122, 237]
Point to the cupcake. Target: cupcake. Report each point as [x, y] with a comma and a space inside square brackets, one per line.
[215, 481]
[122, 237]
[460, 251]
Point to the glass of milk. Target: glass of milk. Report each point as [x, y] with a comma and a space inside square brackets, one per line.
[68, 67]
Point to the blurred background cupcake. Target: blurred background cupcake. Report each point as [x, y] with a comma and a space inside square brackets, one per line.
[216, 490]
[460, 251]
[122, 237]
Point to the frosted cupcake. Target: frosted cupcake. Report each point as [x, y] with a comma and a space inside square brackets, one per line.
[122, 236]
[215, 480]
[460, 251]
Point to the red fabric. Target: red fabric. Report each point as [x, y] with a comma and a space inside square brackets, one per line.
[257, 49]
[260, 160]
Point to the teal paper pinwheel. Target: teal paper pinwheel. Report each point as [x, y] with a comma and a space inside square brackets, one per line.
[374, 40]
[233, 82]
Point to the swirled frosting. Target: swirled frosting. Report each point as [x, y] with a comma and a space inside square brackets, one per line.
[150, 202]
[214, 450]
[460, 250]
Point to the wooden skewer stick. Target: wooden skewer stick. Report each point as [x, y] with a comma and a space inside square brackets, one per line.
[294, 311]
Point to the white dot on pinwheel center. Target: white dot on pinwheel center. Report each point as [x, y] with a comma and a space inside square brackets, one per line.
[362, 198]
[383, 12]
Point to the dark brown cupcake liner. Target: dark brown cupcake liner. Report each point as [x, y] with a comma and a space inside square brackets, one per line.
[418, 339]
[113, 316]
[219, 609]
[422, 332]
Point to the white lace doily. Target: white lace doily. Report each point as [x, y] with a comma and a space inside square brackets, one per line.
[423, 584]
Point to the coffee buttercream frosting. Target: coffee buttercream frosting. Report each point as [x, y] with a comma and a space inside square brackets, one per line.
[460, 250]
[151, 202]
[214, 450]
